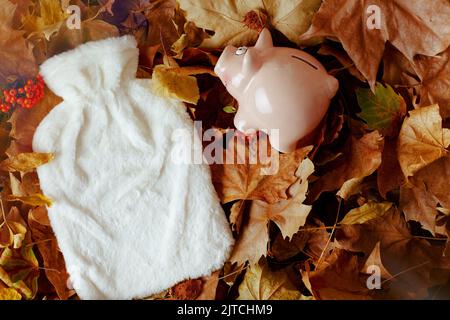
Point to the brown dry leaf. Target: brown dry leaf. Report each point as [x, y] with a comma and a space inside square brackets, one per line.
[416, 263]
[412, 26]
[90, 30]
[192, 37]
[347, 63]
[226, 19]
[26, 162]
[187, 290]
[17, 60]
[252, 242]
[288, 214]
[32, 200]
[24, 123]
[247, 181]
[283, 249]
[422, 140]
[236, 214]
[42, 234]
[232, 272]
[165, 22]
[12, 229]
[435, 80]
[397, 69]
[429, 186]
[260, 283]
[361, 158]
[319, 244]
[419, 205]
[366, 212]
[374, 259]
[435, 178]
[389, 175]
[209, 288]
[338, 278]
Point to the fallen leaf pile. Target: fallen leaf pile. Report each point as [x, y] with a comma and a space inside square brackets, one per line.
[370, 197]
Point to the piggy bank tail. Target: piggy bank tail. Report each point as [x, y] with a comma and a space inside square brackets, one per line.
[332, 86]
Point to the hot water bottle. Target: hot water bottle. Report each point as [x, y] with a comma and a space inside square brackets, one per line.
[129, 221]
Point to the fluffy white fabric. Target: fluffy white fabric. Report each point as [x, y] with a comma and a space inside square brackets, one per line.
[129, 221]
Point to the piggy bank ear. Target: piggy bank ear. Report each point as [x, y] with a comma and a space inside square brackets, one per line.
[264, 40]
[332, 86]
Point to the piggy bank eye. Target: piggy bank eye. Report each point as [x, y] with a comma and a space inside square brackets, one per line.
[240, 51]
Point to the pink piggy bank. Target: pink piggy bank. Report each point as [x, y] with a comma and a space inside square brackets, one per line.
[276, 88]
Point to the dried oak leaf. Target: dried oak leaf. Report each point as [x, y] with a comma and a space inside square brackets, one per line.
[360, 159]
[415, 263]
[289, 215]
[434, 73]
[17, 60]
[227, 18]
[260, 283]
[412, 26]
[382, 110]
[422, 139]
[54, 265]
[243, 180]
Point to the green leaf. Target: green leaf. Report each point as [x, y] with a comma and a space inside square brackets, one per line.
[229, 109]
[381, 110]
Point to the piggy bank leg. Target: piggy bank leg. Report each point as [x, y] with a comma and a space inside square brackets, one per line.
[280, 143]
[241, 122]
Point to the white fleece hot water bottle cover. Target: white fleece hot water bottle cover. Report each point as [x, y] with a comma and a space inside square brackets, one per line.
[129, 220]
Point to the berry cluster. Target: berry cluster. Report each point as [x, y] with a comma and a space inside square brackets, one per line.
[25, 96]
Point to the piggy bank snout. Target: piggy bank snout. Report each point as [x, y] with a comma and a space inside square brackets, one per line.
[224, 61]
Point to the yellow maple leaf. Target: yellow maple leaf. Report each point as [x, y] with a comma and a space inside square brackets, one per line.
[178, 83]
[25, 162]
[33, 200]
